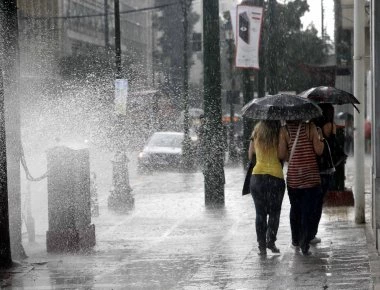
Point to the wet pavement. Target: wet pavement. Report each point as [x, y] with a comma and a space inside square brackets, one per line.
[172, 241]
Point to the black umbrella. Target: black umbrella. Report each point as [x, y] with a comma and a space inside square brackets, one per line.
[281, 107]
[330, 95]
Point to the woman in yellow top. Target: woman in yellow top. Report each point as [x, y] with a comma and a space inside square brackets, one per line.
[267, 182]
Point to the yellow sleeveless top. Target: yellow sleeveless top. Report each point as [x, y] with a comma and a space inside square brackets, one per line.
[267, 162]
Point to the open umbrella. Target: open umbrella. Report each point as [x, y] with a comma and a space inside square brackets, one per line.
[324, 94]
[281, 107]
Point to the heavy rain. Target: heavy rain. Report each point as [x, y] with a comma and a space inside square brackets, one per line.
[130, 150]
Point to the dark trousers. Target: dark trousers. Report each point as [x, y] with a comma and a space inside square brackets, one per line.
[326, 180]
[267, 192]
[303, 204]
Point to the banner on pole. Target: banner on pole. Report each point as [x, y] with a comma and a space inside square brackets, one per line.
[121, 95]
[248, 31]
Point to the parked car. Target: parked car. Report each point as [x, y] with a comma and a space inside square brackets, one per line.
[163, 150]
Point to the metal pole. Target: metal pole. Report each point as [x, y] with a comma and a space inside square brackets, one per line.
[375, 67]
[117, 39]
[322, 21]
[106, 28]
[8, 26]
[12, 120]
[120, 198]
[248, 92]
[359, 92]
[5, 244]
[213, 129]
[186, 147]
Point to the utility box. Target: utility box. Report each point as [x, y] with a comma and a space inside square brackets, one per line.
[69, 200]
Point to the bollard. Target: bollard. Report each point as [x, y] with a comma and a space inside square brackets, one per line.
[69, 200]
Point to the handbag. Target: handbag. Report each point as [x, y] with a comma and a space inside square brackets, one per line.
[325, 161]
[247, 180]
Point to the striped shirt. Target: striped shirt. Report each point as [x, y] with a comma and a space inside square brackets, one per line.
[302, 168]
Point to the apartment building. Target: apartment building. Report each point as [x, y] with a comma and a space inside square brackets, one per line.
[59, 38]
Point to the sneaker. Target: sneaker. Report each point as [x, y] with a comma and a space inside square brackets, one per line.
[314, 241]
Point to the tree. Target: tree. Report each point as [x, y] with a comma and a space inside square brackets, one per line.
[296, 48]
[169, 54]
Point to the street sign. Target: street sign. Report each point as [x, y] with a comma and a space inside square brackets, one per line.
[121, 95]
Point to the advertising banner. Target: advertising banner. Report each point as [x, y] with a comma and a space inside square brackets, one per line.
[248, 31]
[121, 94]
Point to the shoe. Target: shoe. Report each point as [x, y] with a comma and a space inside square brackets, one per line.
[315, 240]
[262, 251]
[306, 252]
[273, 248]
[295, 245]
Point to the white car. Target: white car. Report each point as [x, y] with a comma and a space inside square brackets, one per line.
[163, 150]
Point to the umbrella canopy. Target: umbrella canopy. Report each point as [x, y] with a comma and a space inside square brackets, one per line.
[281, 107]
[330, 95]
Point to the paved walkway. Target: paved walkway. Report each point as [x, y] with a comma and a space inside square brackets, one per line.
[172, 241]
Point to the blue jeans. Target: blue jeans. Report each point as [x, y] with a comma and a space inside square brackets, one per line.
[267, 192]
[303, 204]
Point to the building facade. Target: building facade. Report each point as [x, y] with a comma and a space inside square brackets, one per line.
[77, 37]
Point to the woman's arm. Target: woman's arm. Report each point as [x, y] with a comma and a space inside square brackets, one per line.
[283, 151]
[317, 139]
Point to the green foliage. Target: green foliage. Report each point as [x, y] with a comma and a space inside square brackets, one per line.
[295, 49]
[169, 53]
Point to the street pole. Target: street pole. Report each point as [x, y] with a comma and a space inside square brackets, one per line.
[359, 92]
[5, 244]
[375, 140]
[186, 146]
[322, 21]
[272, 48]
[120, 198]
[117, 39]
[13, 124]
[233, 94]
[213, 129]
[248, 90]
[106, 28]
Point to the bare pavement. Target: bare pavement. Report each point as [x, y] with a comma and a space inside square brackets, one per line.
[172, 241]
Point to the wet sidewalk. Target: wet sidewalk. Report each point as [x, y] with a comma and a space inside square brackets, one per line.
[172, 241]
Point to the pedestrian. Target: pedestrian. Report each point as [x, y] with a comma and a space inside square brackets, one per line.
[267, 181]
[303, 179]
[327, 129]
[349, 135]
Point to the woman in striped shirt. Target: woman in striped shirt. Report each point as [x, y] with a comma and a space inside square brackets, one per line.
[303, 179]
[267, 181]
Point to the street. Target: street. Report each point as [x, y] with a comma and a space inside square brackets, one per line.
[172, 241]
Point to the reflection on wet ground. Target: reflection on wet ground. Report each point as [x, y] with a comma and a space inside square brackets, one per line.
[172, 241]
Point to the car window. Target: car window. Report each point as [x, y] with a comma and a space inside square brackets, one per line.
[161, 140]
